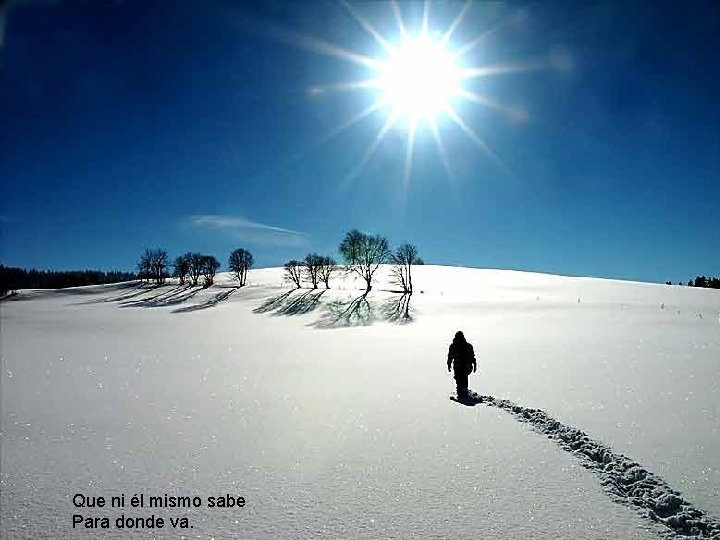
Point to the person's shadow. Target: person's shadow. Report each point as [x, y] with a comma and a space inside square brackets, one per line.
[470, 399]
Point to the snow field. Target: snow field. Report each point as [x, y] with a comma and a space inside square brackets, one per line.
[347, 431]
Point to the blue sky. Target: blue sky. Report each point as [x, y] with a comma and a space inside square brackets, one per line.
[194, 127]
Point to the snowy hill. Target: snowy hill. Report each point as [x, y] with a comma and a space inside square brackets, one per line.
[330, 414]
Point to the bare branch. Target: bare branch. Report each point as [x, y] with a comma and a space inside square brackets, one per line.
[311, 268]
[181, 268]
[364, 254]
[153, 265]
[326, 269]
[196, 266]
[293, 271]
[240, 261]
[403, 259]
[210, 266]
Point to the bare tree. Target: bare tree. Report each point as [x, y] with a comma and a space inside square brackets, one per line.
[239, 263]
[144, 269]
[326, 269]
[153, 265]
[293, 271]
[311, 268]
[210, 267]
[181, 268]
[404, 258]
[365, 254]
[196, 266]
[350, 246]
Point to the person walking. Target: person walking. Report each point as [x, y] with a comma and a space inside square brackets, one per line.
[461, 359]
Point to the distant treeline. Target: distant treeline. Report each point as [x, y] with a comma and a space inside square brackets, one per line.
[701, 281]
[12, 279]
[707, 282]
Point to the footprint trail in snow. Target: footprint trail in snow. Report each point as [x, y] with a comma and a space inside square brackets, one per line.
[625, 479]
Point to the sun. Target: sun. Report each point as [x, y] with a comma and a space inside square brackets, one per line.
[422, 78]
[419, 79]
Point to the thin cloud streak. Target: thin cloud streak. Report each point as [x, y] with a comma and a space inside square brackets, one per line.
[249, 231]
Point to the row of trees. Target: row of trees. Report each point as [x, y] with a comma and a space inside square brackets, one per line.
[153, 265]
[707, 282]
[315, 268]
[12, 278]
[190, 267]
[701, 281]
[363, 254]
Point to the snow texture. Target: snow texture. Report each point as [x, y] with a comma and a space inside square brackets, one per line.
[328, 410]
[630, 483]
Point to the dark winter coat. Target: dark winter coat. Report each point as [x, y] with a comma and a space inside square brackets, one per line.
[462, 357]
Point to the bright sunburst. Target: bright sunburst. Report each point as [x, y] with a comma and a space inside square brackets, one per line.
[419, 80]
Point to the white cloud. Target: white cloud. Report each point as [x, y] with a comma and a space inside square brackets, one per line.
[249, 231]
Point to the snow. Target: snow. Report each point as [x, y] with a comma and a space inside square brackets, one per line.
[624, 478]
[336, 427]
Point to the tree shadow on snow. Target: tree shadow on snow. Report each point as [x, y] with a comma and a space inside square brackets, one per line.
[289, 304]
[160, 292]
[120, 292]
[358, 311]
[172, 297]
[273, 303]
[339, 313]
[361, 312]
[84, 290]
[138, 289]
[209, 303]
[397, 309]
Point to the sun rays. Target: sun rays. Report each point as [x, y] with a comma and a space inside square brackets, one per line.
[420, 78]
